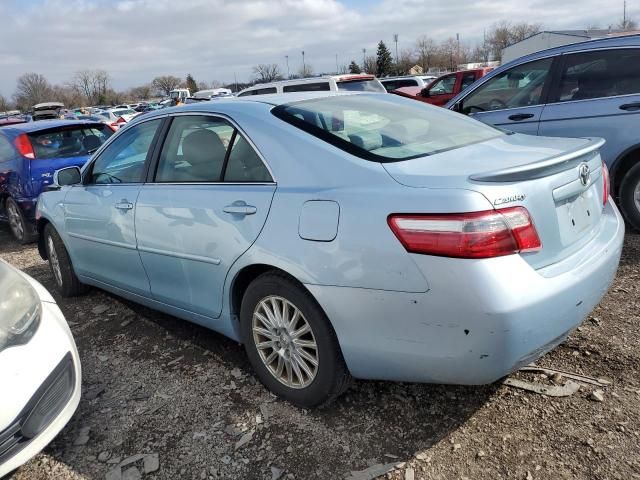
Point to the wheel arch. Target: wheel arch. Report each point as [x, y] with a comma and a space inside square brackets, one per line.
[41, 224]
[623, 163]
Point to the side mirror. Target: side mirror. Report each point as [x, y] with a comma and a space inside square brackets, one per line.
[67, 176]
[425, 92]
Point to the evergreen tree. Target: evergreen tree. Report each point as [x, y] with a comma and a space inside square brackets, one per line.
[191, 84]
[384, 61]
[354, 67]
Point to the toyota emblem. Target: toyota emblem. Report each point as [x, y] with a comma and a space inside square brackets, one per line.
[584, 174]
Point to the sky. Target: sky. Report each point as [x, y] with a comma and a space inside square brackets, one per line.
[137, 40]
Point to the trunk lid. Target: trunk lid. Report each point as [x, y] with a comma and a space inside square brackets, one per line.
[541, 174]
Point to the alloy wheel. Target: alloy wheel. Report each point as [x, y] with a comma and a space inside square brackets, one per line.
[55, 263]
[285, 342]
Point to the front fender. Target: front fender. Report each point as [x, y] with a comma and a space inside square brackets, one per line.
[50, 209]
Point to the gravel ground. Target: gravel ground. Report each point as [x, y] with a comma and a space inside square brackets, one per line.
[155, 387]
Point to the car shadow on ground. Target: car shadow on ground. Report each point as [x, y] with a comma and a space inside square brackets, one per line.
[373, 422]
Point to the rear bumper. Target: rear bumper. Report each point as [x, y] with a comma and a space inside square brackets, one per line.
[479, 321]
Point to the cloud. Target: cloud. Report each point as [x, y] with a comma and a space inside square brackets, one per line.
[136, 40]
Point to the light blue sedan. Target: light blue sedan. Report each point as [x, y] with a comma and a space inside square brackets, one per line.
[343, 235]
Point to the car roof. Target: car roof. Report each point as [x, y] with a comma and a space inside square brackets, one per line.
[298, 81]
[47, 124]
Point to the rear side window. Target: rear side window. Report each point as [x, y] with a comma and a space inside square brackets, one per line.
[208, 149]
[69, 141]
[259, 91]
[390, 85]
[599, 74]
[384, 128]
[361, 86]
[307, 87]
[443, 86]
[6, 150]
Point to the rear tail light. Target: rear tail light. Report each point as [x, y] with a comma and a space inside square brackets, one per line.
[606, 183]
[487, 234]
[113, 126]
[23, 144]
[120, 120]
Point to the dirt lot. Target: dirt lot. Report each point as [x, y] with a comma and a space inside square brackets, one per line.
[153, 384]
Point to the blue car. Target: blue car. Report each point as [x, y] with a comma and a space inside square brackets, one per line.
[588, 89]
[29, 154]
[343, 235]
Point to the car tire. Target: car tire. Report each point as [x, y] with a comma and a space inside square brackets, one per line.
[627, 197]
[60, 264]
[315, 386]
[21, 229]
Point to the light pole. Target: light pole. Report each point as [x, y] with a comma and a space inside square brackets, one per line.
[364, 60]
[304, 66]
[287, 59]
[395, 39]
[337, 69]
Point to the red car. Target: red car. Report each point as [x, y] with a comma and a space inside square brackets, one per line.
[443, 88]
[11, 121]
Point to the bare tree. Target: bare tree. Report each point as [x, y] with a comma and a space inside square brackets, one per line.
[142, 92]
[426, 51]
[164, 84]
[266, 72]
[406, 61]
[4, 104]
[370, 65]
[627, 24]
[305, 71]
[31, 88]
[93, 84]
[504, 33]
[202, 85]
[343, 69]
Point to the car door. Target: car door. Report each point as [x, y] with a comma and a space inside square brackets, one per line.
[512, 99]
[209, 199]
[442, 91]
[99, 213]
[597, 94]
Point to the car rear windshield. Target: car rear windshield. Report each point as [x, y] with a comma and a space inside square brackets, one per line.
[67, 141]
[124, 111]
[360, 86]
[384, 128]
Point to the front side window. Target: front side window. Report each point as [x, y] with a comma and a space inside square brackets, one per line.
[467, 80]
[599, 74]
[384, 128]
[520, 86]
[6, 150]
[443, 86]
[123, 161]
[209, 150]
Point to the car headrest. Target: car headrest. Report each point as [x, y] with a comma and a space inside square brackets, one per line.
[203, 146]
[91, 142]
[367, 140]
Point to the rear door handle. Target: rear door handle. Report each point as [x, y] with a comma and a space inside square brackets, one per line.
[630, 106]
[240, 209]
[520, 116]
[124, 205]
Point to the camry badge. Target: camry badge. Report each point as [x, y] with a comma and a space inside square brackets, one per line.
[584, 174]
[518, 197]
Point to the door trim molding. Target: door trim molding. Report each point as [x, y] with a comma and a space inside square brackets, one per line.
[183, 256]
[102, 240]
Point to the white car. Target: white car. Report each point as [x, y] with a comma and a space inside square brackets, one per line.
[39, 369]
[125, 113]
[392, 83]
[360, 82]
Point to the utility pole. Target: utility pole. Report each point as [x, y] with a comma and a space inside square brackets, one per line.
[337, 69]
[624, 15]
[286, 57]
[395, 39]
[457, 49]
[235, 77]
[304, 66]
[364, 60]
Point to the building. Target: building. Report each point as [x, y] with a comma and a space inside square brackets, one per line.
[549, 39]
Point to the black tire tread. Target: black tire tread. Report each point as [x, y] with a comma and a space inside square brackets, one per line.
[30, 235]
[71, 286]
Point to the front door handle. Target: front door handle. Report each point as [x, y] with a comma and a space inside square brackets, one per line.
[630, 106]
[240, 209]
[124, 205]
[520, 116]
